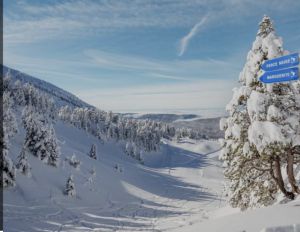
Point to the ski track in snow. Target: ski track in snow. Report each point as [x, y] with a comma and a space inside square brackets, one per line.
[191, 192]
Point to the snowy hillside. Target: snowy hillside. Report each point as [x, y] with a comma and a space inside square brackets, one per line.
[134, 182]
[122, 195]
[62, 97]
[178, 189]
[101, 172]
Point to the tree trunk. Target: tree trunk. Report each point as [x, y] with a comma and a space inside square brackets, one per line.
[279, 179]
[290, 172]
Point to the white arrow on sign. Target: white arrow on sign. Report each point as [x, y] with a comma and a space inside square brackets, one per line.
[293, 73]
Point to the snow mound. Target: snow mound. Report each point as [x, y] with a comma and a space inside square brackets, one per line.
[290, 228]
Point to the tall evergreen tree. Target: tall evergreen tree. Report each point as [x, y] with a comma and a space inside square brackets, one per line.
[23, 166]
[40, 138]
[8, 167]
[258, 131]
[10, 127]
[9, 130]
[52, 147]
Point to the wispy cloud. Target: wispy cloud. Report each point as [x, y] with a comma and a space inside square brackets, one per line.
[202, 90]
[196, 94]
[177, 84]
[184, 42]
[30, 21]
[181, 70]
[168, 69]
[169, 77]
[114, 61]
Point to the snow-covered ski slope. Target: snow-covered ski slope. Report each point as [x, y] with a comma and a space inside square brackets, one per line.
[178, 189]
[175, 188]
[276, 218]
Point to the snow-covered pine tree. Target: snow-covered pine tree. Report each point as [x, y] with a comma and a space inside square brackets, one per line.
[91, 178]
[296, 150]
[52, 147]
[65, 113]
[93, 152]
[106, 125]
[18, 93]
[136, 152]
[35, 133]
[40, 138]
[9, 130]
[129, 149]
[9, 119]
[70, 187]
[23, 166]
[274, 129]
[8, 167]
[260, 128]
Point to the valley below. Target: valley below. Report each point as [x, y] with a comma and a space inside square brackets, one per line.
[176, 187]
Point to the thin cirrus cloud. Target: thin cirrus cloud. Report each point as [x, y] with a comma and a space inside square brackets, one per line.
[160, 68]
[184, 42]
[169, 77]
[180, 70]
[161, 97]
[30, 21]
[110, 60]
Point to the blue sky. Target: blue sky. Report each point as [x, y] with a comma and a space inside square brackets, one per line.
[142, 55]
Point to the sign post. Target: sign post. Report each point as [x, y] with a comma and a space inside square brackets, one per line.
[281, 69]
[289, 74]
[281, 62]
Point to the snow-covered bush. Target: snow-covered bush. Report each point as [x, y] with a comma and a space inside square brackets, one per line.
[74, 162]
[118, 168]
[93, 171]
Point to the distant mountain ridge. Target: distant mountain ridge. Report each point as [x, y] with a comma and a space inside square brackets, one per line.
[161, 117]
[63, 97]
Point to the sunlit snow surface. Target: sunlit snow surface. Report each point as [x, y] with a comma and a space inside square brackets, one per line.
[176, 187]
[180, 188]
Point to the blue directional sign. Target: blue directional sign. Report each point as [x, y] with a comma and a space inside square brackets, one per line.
[281, 62]
[289, 74]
